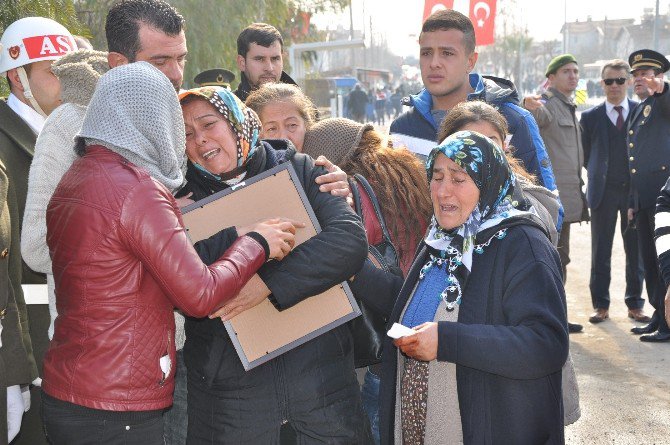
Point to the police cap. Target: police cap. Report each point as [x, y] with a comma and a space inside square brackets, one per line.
[214, 77]
[647, 58]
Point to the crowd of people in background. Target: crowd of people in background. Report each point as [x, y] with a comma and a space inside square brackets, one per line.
[379, 105]
[455, 224]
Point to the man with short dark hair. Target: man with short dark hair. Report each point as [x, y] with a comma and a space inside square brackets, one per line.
[260, 58]
[447, 59]
[606, 161]
[150, 31]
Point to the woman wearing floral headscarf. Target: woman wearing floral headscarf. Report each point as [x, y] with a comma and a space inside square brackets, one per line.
[311, 389]
[486, 300]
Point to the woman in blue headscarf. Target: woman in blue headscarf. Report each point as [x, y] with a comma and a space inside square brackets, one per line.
[309, 393]
[486, 300]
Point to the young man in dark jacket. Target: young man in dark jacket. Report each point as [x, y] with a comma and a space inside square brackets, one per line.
[259, 58]
[447, 60]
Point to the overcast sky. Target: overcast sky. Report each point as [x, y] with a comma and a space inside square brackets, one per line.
[400, 20]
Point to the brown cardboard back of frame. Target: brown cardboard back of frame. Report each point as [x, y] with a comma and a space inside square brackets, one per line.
[263, 332]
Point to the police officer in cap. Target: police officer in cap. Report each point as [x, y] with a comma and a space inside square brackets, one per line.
[649, 163]
[215, 77]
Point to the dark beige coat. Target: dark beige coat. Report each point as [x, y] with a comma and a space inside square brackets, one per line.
[559, 128]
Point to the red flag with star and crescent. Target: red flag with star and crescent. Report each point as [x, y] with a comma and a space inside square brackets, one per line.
[481, 12]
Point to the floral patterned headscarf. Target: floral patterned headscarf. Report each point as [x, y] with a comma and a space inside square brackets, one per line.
[500, 202]
[244, 122]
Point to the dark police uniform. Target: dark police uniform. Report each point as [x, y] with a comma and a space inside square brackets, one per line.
[649, 164]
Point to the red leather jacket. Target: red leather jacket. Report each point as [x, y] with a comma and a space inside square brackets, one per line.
[122, 261]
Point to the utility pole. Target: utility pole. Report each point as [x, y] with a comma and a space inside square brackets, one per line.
[351, 35]
[655, 44]
[565, 26]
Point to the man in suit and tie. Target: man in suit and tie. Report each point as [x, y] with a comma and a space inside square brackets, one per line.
[607, 194]
[649, 166]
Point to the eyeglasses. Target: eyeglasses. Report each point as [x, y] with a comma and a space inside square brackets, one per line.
[618, 80]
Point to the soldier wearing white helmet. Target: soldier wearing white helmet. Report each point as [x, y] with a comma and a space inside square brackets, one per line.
[27, 49]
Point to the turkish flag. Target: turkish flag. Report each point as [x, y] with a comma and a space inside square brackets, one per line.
[481, 12]
[482, 15]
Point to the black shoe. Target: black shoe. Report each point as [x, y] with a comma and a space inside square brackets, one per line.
[574, 327]
[647, 329]
[656, 337]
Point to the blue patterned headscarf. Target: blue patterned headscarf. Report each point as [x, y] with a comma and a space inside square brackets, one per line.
[500, 203]
[244, 122]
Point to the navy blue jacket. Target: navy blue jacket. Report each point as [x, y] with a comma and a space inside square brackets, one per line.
[418, 123]
[509, 343]
[595, 142]
[649, 149]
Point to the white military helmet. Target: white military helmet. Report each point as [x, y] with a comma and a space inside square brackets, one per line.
[33, 39]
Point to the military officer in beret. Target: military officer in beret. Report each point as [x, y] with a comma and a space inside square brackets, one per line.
[649, 163]
[555, 114]
[215, 77]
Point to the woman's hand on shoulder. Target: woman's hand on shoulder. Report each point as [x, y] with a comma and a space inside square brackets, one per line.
[335, 181]
[184, 200]
[422, 345]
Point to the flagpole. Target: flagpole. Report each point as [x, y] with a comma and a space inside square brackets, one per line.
[565, 26]
[656, 28]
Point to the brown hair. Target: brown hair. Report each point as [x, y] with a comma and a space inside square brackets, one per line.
[259, 33]
[477, 111]
[446, 19]
[399, 181]
[269, 93]
[615, 64]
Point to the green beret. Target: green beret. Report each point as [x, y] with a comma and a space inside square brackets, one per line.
[558, 62]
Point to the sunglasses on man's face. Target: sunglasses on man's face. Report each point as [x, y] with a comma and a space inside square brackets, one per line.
[618, 80]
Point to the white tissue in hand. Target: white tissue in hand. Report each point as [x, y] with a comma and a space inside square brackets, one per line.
[166, 365]
[398, 330]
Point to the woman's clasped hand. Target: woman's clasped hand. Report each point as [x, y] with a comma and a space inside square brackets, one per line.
[279, 234]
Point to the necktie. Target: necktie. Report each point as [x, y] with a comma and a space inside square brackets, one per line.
[619, 119]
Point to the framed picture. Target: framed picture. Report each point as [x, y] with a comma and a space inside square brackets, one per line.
[262, 332]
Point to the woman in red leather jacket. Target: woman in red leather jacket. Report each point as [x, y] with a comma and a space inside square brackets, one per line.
[122, 261]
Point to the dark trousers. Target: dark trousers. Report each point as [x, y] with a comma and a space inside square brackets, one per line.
[70, 426]
[652, 276]
[31, 428]
[564, 249]
[3, 403]
[603, 226]
[175, 418]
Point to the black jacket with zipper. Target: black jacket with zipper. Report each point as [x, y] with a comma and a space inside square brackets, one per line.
[313, 387]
